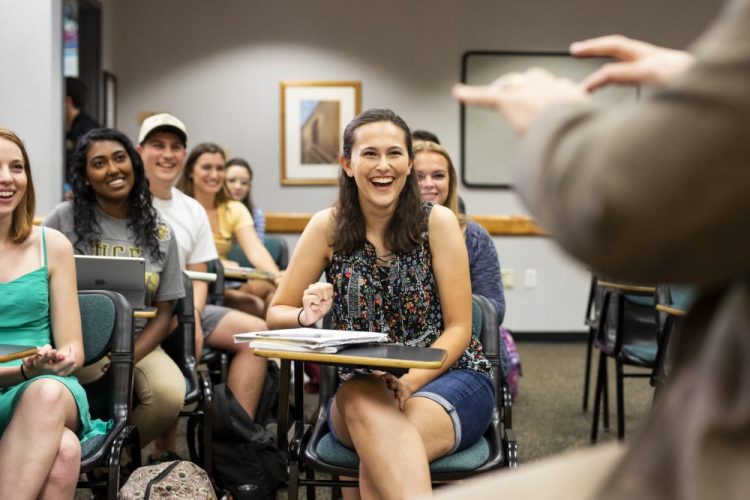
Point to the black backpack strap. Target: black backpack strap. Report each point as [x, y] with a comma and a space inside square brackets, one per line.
[158, 478]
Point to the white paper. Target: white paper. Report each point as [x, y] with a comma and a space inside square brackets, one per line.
[313, 337]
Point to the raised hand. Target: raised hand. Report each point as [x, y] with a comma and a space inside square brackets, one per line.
[519, 97]
[638, 62]
[316, 302]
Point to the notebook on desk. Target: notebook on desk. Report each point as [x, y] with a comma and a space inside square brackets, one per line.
[124, 275]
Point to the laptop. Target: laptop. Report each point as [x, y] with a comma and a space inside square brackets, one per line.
[125, 275]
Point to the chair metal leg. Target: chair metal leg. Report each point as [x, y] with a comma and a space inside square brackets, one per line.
[620, 401]
[597, 398]
[605, 391]
[587, 376]
[293, 489]
[310, 490]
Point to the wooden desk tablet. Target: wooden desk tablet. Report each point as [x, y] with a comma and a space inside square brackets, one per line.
[9, 352]
[379, 356]
[246, 273]
[674, 311]
[626, 287]
[146, 312]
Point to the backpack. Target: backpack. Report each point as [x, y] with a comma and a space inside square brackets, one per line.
[244, 452]
[178, 479]
[514, 373]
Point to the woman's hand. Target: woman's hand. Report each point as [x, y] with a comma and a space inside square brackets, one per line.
[50, 361]
[316, 302]
[401, 390]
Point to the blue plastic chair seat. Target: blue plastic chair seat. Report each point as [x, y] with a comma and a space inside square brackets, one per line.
[332, 452]
[643, 353]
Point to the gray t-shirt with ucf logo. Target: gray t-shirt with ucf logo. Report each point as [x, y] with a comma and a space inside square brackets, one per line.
[163, 278]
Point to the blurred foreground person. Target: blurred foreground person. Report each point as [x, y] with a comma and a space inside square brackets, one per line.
[651, 191]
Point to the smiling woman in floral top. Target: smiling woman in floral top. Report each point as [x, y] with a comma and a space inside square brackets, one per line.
[398, 266]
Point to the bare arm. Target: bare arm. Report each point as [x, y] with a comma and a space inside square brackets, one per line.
[65, 316]
[255, 250]
[155, 330]
[310, 257]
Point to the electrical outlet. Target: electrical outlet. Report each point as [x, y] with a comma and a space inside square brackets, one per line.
[530, 278]
[507, 277]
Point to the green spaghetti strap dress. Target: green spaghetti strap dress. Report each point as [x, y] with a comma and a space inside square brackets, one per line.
[24, 320]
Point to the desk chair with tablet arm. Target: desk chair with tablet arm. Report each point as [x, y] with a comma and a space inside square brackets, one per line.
[312, 449]
[107, 325]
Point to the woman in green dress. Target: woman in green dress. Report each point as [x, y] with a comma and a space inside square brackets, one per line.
[43, 410]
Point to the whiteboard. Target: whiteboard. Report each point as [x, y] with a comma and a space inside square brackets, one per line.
[488, 145]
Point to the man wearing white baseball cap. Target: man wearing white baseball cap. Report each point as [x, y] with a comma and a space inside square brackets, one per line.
[163, 149]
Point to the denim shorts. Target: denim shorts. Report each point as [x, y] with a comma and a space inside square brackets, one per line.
[467, 395]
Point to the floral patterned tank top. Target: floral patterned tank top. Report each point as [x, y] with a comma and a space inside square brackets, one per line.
[400, 299]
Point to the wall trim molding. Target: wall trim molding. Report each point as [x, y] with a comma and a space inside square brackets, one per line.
[496, 225]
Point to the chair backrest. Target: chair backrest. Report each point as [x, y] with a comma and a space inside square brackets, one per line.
[485, 327]
[216, 288]
[107, 327]
[236, 254]
[180, 345]
[629, 319]
[278, 249]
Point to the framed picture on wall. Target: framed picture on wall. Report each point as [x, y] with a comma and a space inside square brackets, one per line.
[110, 100]
[313, 117]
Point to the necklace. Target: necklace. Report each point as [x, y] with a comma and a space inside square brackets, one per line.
[385, 259]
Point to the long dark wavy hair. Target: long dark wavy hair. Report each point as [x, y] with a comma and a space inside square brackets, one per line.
[405, 227]
[142, 216]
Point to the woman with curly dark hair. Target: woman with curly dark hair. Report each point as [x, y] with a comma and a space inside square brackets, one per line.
[395, 265]
[111, 215]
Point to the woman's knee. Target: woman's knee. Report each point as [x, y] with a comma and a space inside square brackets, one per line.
[45, 397]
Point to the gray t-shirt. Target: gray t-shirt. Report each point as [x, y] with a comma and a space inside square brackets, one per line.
[163, 278]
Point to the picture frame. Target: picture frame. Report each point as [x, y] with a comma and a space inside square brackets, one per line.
[313, 117]
[110, 100]
[489, 147]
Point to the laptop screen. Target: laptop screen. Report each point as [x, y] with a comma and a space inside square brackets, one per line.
[125, 275]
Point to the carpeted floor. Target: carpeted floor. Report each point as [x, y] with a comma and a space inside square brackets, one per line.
[547, 414]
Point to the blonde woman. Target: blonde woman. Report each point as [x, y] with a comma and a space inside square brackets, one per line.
[438, 184]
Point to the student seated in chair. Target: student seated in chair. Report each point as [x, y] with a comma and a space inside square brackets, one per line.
[111, 214]
[239, 181]
[396, 265]
[43, 409]
[163, 148]
[438, 183]
[231, 222]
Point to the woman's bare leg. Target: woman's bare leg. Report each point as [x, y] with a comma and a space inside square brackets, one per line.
[63, 477]
[246, 371]
[367, 416]
[31, 443]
